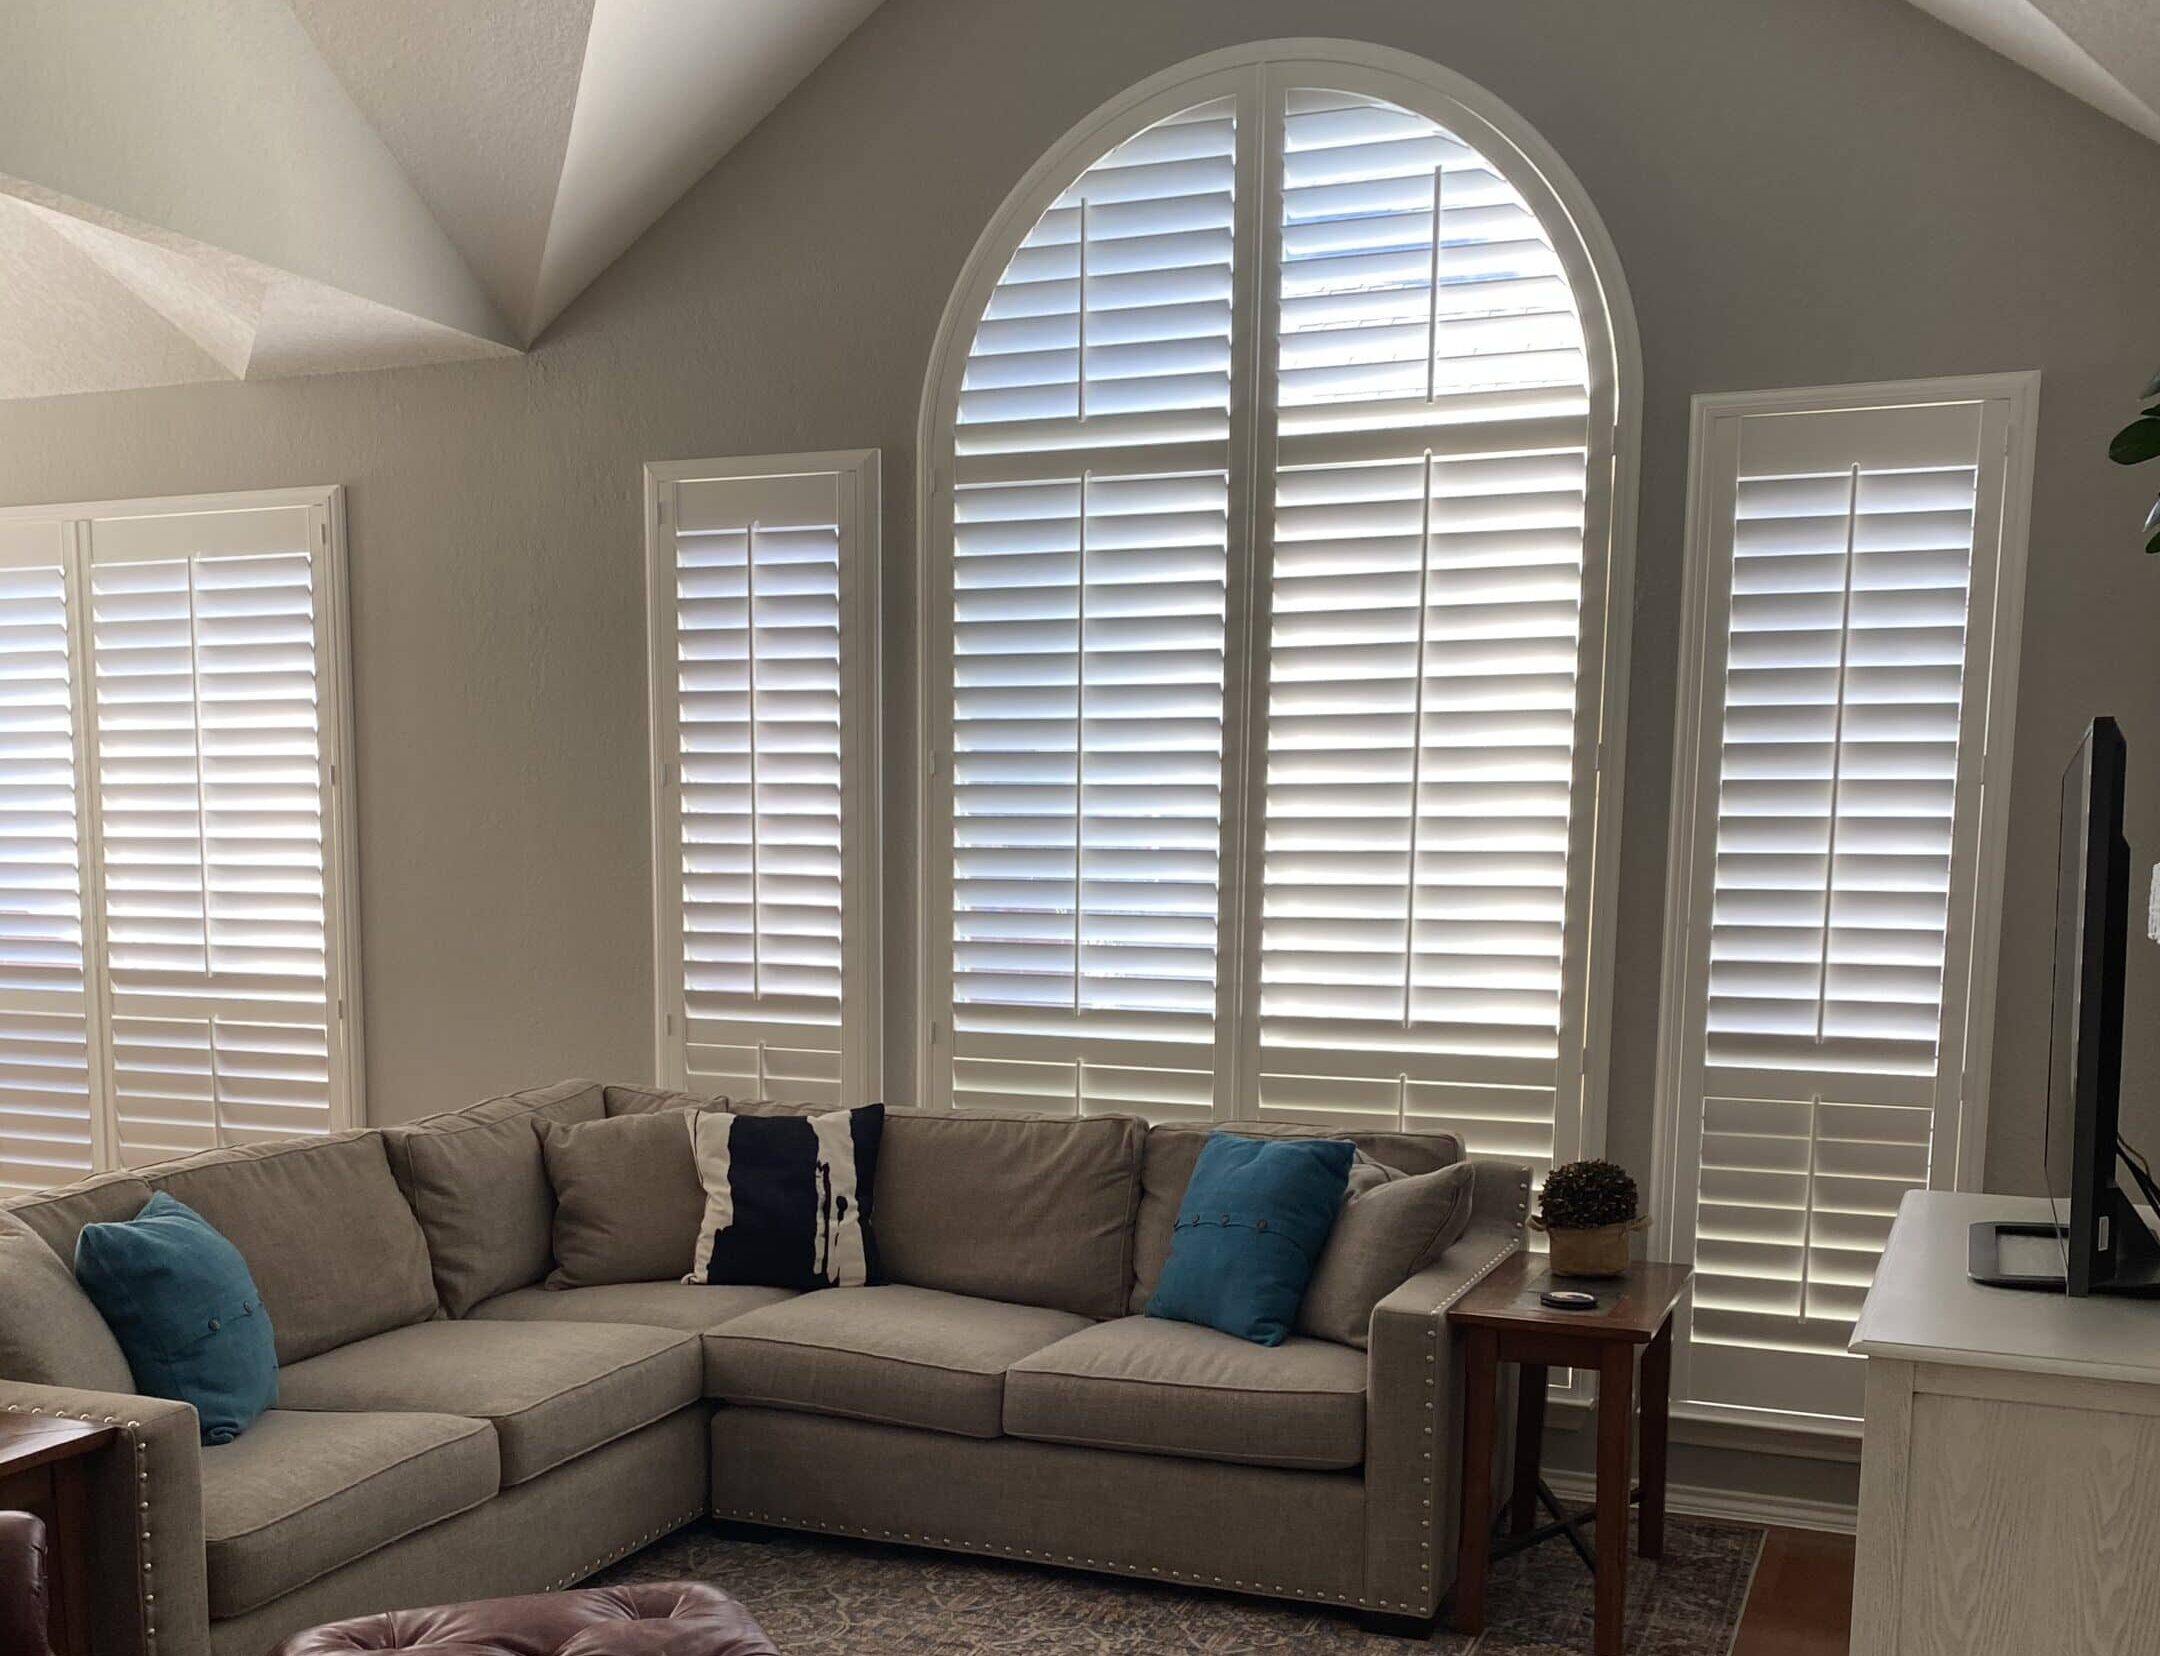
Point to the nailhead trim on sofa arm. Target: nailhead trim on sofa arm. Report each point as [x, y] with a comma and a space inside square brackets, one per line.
[168, 1626]
[1497, 1232]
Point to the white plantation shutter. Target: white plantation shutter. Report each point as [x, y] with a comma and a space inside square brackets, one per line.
[1089, 579]
[47, 1121]
[763, 748]
[173, 718]
[1266, 731]
[1826, 952]
[1424, 659]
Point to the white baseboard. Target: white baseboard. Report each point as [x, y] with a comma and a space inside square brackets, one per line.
[1734, 1506]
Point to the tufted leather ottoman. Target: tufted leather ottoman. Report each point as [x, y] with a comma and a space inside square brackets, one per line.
[673, 1618]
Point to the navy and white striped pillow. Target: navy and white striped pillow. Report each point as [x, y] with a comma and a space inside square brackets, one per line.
[788, 1198]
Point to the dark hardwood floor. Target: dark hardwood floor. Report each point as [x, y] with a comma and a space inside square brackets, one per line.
[1801, 1601]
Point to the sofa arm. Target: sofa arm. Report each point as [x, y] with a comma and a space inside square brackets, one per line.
[1413, 1404]
[147, 1594]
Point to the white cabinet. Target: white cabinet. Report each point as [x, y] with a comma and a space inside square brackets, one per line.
[2010, 1468]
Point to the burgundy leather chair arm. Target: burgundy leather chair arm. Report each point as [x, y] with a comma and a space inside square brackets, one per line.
[23, 1620]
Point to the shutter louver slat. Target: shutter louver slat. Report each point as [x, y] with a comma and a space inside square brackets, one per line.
[45, 1092]
[1839, 759]
[757, 628]
[210, 799]
[1422, 700]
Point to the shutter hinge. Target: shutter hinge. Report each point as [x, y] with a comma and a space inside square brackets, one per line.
[668, 1022]
[937, 1032]
[660, 509]
[937, 763]
[333, 773]
[341, 1008]
[667, 775]
[941, 480]
[322, 531]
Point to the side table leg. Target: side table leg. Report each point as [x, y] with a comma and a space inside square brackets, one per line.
[1480, 1409]
[1615, 1428]
[1529, 1446]
[1655, 1421]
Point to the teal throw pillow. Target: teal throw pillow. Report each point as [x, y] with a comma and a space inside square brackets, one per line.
[179, 1299]
[1249, 1232]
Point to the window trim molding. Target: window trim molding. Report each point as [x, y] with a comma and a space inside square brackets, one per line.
[1614, 350]
[325, 504]
[2019, 392]
[861, 593]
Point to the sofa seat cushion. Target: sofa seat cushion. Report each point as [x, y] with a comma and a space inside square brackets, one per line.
[298, 1495]
[551, 1390]
[904, 1356]
[691, 1306]
[1171, 1388]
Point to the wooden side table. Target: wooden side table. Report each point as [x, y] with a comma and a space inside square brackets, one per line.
[1504, 1323]
[44, 1467]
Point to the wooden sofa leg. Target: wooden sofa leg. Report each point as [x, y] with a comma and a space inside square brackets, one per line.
[1396, 1627]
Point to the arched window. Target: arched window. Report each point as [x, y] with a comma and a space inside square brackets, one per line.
[1278, 457]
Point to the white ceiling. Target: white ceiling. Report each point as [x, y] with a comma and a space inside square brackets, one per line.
[2106, 52]
[267, 187]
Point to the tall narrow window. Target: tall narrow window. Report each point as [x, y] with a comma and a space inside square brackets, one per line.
[763, 580]
[1271, 546]
[1837, 870]
[177, 956]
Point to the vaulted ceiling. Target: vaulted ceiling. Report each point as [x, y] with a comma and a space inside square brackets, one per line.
[2104, 51]
[256, 188]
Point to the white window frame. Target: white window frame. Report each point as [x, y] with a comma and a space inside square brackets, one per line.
[1253, 73]
[325, 506]
[2010, 420]
[857, 472]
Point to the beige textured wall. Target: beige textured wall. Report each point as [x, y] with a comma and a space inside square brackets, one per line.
[1802, 191]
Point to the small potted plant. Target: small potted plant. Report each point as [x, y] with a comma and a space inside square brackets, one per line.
[1587, 1212]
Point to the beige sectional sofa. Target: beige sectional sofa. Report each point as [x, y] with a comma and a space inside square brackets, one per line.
[449, 1427]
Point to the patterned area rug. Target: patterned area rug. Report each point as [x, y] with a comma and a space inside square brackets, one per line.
[829, 1597]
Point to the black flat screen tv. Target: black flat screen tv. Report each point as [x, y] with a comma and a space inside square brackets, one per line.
[2104, 1245]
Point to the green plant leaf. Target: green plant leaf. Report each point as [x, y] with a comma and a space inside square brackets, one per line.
[2152, 390]
[2152, 529]
[2137, 442]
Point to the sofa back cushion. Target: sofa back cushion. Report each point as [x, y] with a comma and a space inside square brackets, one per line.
[1033, 1211]
[50, 1333]
[325, 1233]
[1167, 1165]
[58, 1216]
[646, 1100]
[476, 1181]
[628, 1204]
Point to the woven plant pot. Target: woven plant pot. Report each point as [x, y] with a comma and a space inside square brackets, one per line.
[1599, 1252]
